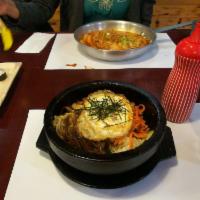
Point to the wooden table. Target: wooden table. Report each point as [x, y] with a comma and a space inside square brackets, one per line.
[34, 88]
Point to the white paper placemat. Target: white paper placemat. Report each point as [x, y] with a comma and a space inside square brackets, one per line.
[65, 52]
[35, 43]
[11, 69]
[35, 177]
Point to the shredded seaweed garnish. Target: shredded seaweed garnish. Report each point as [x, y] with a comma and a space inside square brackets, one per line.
[104, 108]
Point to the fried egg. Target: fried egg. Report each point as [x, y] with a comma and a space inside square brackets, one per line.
[105, 115]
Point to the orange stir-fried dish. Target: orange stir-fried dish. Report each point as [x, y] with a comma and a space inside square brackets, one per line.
[103, 122]
[114, 40]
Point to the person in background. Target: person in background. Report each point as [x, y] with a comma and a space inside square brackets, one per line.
[34, 15]
[27, 15]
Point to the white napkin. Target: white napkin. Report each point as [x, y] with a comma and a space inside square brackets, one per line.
[11, 69]
[65, 52]
[35, 177]
[35, 43]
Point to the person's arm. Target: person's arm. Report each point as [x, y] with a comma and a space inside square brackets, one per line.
[36, 12]
[147, 11]
[28, 14]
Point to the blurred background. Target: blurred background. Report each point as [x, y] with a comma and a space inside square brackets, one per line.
[165, 13]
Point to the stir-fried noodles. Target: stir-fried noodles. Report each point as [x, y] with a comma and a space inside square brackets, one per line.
[103, 122]
[114, 40]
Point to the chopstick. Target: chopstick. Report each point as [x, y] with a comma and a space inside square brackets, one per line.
[171, 27]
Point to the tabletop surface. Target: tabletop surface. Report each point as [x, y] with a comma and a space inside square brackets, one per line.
[34, 87]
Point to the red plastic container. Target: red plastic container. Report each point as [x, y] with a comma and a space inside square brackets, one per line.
[183, 84]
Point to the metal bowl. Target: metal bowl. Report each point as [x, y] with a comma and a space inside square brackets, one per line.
[115, 55]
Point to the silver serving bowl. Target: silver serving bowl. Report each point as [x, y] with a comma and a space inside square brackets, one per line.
[115, 55]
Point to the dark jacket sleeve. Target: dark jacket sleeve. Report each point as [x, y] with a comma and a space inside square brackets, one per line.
[147, 11]
[35, 13]
[140, 11]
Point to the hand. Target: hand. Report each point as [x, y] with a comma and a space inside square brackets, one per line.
[8, 7]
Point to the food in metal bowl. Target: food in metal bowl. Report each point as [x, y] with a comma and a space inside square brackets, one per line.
[111, 39]
[125, 98]
[114, 40]
[103, 122]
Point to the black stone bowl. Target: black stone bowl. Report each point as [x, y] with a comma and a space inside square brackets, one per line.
[110, 163]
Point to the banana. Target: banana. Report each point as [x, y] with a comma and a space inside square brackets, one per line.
[6, 36]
